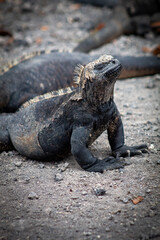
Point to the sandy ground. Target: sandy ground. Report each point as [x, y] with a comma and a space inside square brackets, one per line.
[49, 201]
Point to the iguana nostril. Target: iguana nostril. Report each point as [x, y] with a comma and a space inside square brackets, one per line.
[113, 61]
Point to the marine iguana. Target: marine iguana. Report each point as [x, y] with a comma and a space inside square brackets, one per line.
[46, 71]
[50, 126]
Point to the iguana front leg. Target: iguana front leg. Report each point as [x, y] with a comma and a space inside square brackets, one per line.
[116, 140]
[85, 159]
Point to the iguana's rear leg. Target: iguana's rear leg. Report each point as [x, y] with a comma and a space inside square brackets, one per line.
[5, 141]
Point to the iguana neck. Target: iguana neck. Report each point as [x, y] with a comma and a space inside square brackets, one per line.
[97, 93]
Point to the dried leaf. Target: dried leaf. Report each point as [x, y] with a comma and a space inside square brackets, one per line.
[137, 200]
[99, 27]
[146, 49]
[44, 28]
[38, 40]
[75, 6]
[155, 24]
[156, 50]
[4, 32]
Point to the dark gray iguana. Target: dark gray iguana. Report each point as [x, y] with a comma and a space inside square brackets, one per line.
[43, 72]
[50, 126]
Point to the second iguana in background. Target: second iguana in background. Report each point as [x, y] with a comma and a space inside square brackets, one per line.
[42, 72]
[53, 125]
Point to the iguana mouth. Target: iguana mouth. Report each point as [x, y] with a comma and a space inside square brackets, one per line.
[113, 71]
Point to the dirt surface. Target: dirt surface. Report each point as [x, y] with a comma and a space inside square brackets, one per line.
[40, 200]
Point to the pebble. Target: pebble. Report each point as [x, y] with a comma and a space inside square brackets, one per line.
[62, 167]
[151, 214]
[150, 85]
[27, 7]
[152, 148]
[99, 191]
[110, 217]
[125, 200]
[33, 195]
[128, 113]
[107, 229]
[84, 193]
[18, 164]
[26, 180]
[48, 210]
[87, 233]
[158, 161]
[148, 190]
[58, 177]
[131, 222]
[41, 165]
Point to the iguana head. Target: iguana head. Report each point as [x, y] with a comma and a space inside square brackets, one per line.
[97, 79]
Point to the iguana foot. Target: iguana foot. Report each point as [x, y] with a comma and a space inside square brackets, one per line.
[108, 163]
[126, 151]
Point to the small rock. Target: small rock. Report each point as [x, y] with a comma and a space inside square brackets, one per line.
[152, 148]
[153, 207]
[158, 161]
[75, 196]
[125, 200]
[151, 214]
[87, 233]
[18, 164]
[157, 76]
[33, 195]
[26, 180]
[125, 105]
[41, 165]
[10, 169]
[58, 177]
[151, 85]
[131, 222]
[107, 229]
[99, 191]
[62, 167]
[129, 113]
[48, 210]
[84, 193]
[27, 7]
[148, 190]
[110, 217]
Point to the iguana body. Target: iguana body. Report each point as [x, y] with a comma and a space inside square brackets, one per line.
[46, 72]
[69, 122]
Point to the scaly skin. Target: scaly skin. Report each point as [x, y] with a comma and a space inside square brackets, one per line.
[46, 72]
[51, 127]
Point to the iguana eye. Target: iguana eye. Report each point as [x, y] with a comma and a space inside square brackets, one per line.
[99, 66]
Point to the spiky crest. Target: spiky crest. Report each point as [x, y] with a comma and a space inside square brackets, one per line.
[15, 62]
[48, 95]
[78, 73]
